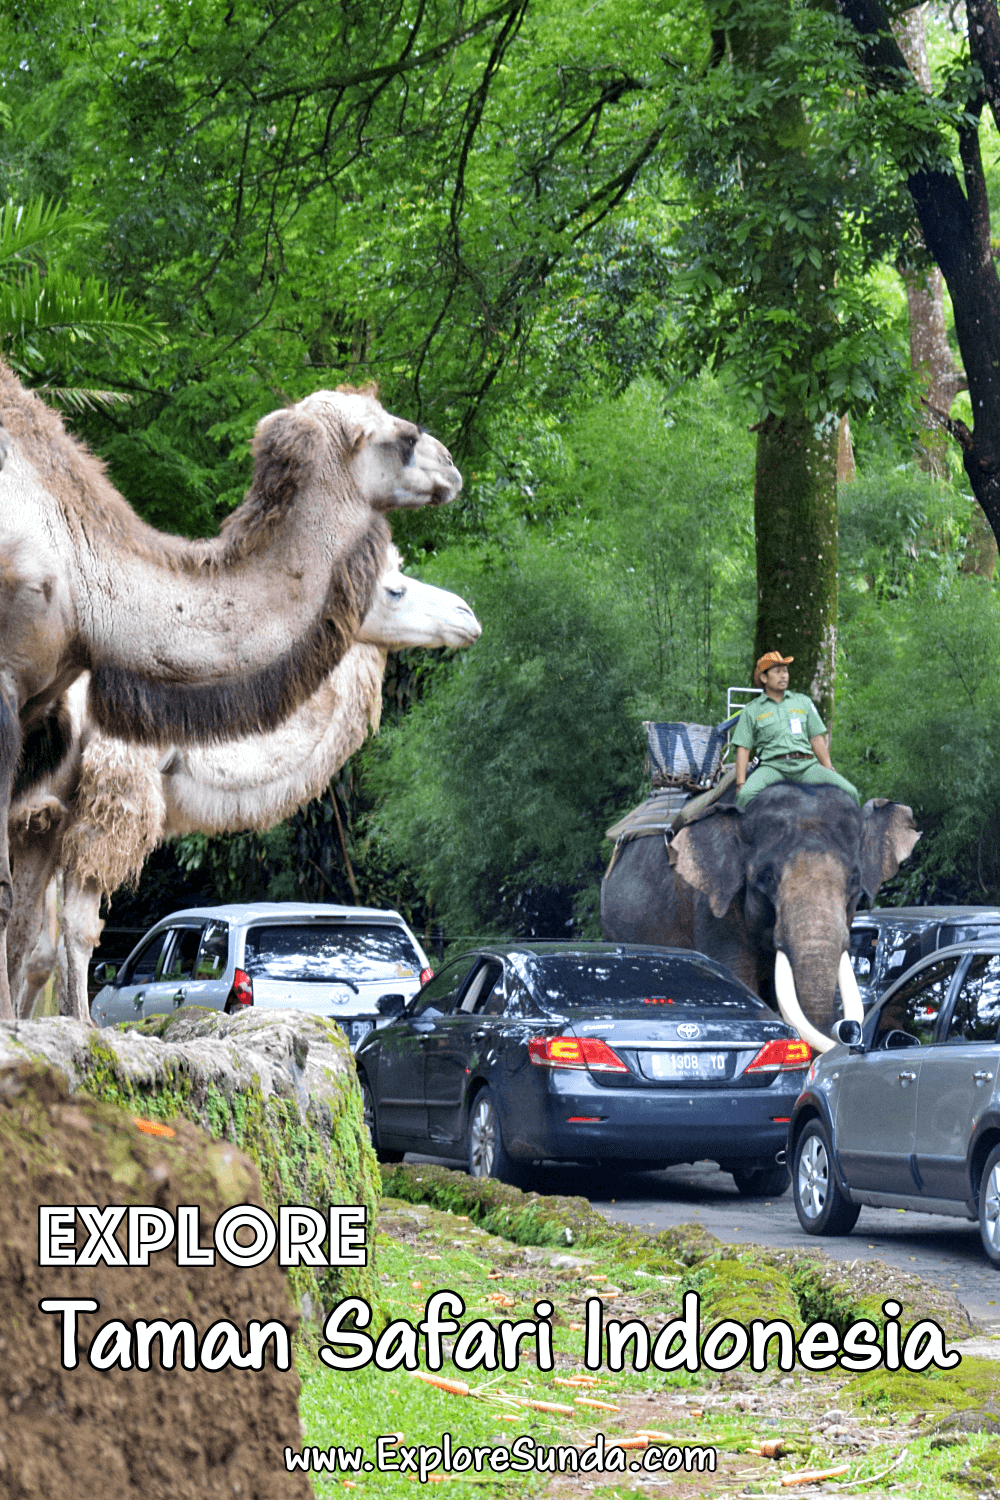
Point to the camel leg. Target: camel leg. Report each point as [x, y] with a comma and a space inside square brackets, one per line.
[81, 933]
[41, 961]
[35, 842]
[10, 754]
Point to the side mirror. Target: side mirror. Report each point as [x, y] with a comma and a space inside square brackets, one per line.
[896, 1040]
[848, 1031]
[105, 973]
[390, 1005]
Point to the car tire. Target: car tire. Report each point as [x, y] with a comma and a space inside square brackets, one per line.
[768, 1180]
[486, 1153]
[989, 1207]
[368, 1108]
[819, 1203]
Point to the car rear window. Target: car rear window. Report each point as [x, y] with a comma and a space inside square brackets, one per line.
[330, 950]
[664, 984]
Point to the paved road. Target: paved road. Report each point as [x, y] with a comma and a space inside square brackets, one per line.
[944, 1251]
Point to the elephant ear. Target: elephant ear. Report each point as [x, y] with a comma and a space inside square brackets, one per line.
[888, 836]
[708, 854]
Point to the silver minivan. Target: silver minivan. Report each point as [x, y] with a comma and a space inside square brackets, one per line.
[336, 961]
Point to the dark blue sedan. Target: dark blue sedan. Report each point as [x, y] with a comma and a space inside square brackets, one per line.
[617, 1053]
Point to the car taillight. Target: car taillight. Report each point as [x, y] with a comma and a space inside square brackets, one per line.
[783, 1055]
[242, 990]
[574, 1052]
[425, 974]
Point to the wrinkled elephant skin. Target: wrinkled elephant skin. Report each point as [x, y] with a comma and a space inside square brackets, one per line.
[783, 876]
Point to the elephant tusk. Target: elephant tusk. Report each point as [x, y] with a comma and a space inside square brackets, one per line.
[788, 1004]
[850, 995]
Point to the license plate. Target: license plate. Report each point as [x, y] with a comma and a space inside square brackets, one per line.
[356, 1030]
[686, 1064]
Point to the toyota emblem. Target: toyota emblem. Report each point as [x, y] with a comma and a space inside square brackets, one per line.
[688, 1030]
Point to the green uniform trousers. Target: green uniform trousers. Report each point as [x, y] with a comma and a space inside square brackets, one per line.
[805, 772]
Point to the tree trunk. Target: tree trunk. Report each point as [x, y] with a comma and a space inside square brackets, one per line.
[956, 230]
[795, 517]
[795, 476]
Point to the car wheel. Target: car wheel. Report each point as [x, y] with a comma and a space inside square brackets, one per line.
[819, 1203]
[766, 1181]
[368, 1108]
[989, 1207]
[487, 1154]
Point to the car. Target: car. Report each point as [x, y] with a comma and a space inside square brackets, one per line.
[624, 1054]
[886, 941]
[336, 961]
[905, 1111]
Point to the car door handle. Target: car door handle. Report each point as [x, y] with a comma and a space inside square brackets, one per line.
[179, 997]
[983, 1077]
[906, 1078]
[137, 1002]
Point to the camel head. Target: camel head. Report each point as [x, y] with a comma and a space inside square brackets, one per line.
[406, 612]
[393, 462]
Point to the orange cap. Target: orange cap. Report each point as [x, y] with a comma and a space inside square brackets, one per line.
[769, 659]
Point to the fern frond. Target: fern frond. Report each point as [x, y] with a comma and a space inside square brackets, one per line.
[26, 226]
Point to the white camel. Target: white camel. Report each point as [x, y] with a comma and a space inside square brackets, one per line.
[127, 799]
[188, 642]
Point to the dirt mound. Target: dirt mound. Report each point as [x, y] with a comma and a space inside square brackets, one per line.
[156, 1434]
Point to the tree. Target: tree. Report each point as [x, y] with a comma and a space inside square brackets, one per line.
[954, 214]
[47, 312]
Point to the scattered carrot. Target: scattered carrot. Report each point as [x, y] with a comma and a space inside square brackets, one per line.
[153, 1127]
[562, 1411]
[576, 1380]
[600, 1405]
[636, 1442]
[813, 1476]
[656, 1437]
[772, 1448]
[453, 1387]
[500, 1300]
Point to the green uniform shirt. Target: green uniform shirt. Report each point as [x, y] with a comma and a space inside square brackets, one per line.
[773, 730]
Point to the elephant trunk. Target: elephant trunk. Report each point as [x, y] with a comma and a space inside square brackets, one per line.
[811, 936]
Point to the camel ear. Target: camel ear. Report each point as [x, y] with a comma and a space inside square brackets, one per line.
[888, 836]
[285, 448]
[709, 856]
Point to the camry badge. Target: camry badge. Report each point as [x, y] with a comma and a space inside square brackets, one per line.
[688, 1030]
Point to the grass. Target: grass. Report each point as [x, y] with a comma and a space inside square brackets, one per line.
[421, 1249]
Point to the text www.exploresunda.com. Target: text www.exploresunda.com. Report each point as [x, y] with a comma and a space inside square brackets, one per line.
[522, 1456]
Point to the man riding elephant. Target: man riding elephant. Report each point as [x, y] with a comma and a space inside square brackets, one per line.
[786, 732]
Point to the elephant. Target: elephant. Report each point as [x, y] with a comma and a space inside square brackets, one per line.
[770, 892]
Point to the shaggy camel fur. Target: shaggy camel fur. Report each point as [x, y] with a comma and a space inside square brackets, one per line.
[127, 799]
[188, 641]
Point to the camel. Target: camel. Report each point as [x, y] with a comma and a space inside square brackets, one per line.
[119, 801]
[188, 642]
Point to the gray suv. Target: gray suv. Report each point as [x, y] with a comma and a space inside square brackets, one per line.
[336, 961]
[905, 1112]
[886, 941]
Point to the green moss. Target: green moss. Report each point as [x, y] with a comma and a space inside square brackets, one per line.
[974, 1382]
[320, 1160]
[733, 1288]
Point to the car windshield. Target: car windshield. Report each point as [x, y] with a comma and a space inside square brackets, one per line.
[609, 981]
[319, 951]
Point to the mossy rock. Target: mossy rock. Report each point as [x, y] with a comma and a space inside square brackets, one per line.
[191, 1433]
[731, 1285]
[975, 1383]
[980, 1472]
[281, 1085]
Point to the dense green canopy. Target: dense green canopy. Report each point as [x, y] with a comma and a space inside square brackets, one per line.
[593, 250]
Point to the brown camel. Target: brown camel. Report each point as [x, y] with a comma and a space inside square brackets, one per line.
[188, 641]
[100, 821]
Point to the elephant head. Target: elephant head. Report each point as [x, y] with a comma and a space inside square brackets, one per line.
[789, 871]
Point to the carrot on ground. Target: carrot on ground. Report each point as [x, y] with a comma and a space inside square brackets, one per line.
[813, 1476]
[601, 1405]
[453, 1387]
